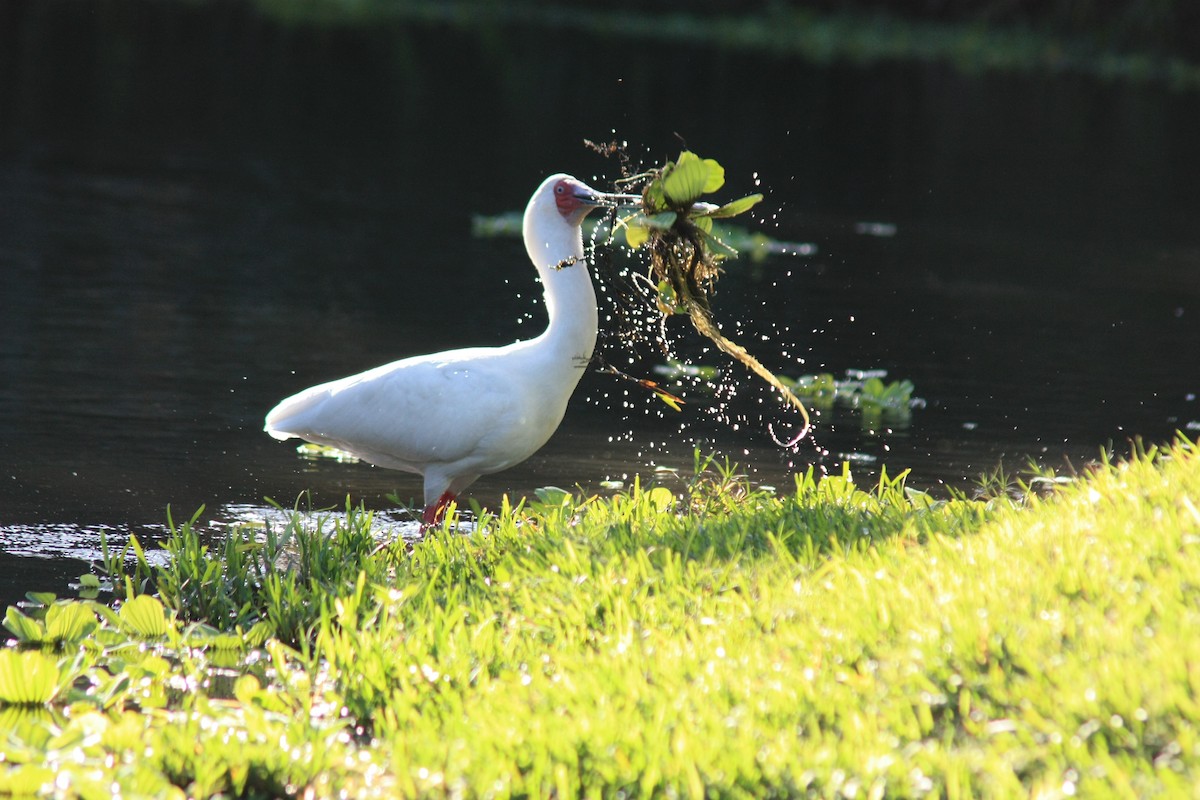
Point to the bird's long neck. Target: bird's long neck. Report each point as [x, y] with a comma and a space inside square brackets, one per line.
[557, 252]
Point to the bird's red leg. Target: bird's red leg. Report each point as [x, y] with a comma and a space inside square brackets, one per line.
[435, 513]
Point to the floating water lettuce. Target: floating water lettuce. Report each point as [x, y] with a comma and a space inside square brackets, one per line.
[685, 256]
[686, 249]
[28, 677]
[863, 391]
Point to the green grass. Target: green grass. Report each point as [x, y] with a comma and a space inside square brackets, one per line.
[832, 642]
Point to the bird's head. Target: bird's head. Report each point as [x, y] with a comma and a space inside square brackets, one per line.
[554, 214]
[572, 198]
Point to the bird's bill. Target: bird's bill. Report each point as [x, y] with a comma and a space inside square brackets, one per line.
[606, 199]
[619, 200]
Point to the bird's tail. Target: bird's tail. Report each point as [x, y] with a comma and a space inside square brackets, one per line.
[285, 421]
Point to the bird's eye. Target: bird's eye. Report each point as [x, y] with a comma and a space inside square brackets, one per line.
[559, 189]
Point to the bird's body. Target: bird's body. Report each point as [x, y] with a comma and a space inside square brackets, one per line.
[454, 416]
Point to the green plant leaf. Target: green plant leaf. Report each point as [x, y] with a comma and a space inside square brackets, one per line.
[739, 206]
[670, 399]
[653, 198]
[28, 677]
[144, 616]
[661, 221]
[259, 633]
[636, 235]
[26, 780]
[691, 176]
[553, 496]
[26, 629]
[246, 688]
[70, 622]
[660, 498]
[668, 302]
[106, 614]
[718, 248]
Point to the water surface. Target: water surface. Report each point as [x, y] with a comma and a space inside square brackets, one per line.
[205, 211]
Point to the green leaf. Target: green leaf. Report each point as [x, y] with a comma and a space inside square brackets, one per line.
[89, 581]
[246, 688]
[26, 629]
[105, 613]
[688, 178]
[718, 248]
[70, 622]
[226, 641]
[668, 302]
[675, 370]
[653, 198]
[553, 496]
[661, 498]
[28, 677]
[662, 221]
[670, 400]
[636, 235]
[26, 779]
[736, 207]
[144, 616]
[259, 633]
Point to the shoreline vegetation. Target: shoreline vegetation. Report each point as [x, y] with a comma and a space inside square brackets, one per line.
[1108, 40]
[719, 640]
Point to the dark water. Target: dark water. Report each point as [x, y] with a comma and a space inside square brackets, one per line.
[203, 211]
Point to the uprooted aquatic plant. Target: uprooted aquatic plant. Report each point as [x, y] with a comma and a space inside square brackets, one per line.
[685, 255]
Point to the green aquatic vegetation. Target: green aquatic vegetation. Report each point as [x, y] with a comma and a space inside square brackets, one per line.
[143, 617]
[719, 640]
[877, 400]
[685, 252]
[56, 625]
[146, 703]
[28, 677]
[685, 257]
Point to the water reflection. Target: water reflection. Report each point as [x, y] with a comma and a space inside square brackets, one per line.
[387, 525]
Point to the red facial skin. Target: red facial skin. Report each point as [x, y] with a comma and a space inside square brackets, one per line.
[568, 204]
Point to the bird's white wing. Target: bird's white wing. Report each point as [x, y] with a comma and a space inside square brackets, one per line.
[409, 414]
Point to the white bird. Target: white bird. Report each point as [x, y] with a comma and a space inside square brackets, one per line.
[454, 416]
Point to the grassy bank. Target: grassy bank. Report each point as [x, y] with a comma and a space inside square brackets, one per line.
[832, 641]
